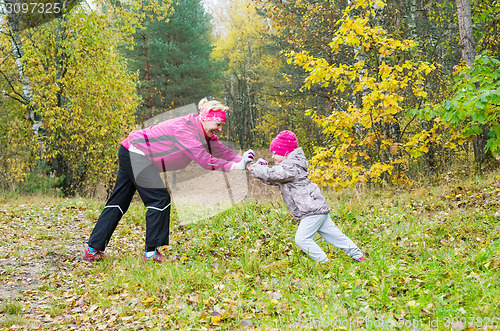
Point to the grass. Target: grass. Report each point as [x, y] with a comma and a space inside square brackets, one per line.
[433, 264]
[12, 307]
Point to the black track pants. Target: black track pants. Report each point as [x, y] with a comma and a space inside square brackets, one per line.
[135, 173]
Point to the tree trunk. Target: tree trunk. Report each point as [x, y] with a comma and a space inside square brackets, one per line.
[467, 44]
[35, 119]
[467, 47]
[146, 69]
[481, 154]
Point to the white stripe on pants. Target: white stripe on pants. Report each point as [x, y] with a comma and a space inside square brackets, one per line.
[323, 225]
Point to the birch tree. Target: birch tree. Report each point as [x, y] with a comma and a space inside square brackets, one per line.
[11, 28]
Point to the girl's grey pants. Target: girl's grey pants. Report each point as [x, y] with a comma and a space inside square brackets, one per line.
[323, 225]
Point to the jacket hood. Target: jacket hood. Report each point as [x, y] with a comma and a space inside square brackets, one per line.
[298, 158]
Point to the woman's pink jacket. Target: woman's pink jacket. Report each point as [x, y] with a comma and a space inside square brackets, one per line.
[173, 144]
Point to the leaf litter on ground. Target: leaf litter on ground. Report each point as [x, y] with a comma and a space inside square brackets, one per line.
[433, 263]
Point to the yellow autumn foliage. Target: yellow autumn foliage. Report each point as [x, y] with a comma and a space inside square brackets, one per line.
[363, 149]
[85, 97]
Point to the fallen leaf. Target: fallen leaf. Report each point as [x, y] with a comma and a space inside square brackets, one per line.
[215, 319]
[92, 308]
[412, 304]
[246, 323]
[148, 300]
[181, 305]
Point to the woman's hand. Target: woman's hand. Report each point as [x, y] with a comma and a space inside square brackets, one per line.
[247, 157]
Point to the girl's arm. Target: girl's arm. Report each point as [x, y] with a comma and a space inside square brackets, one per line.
[280, 173]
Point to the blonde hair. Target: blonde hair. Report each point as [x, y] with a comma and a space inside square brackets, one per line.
[204, 105]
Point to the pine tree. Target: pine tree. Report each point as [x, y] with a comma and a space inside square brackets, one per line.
[174, 59]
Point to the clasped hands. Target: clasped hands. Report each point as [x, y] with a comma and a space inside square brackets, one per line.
[249, 155]
[247, 158]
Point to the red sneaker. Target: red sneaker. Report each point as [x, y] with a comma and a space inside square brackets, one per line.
[361, 259]
[92, 254]
[157, 257]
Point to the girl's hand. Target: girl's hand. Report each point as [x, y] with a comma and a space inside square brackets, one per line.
[262, 162]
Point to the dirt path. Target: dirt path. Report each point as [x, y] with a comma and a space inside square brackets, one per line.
[35, 243]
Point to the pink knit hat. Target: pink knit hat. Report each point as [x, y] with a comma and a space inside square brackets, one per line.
[284, 143]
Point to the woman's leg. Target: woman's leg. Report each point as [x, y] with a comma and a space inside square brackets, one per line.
[332, 234]
[117, 204]
[156, 198]
[305, 234]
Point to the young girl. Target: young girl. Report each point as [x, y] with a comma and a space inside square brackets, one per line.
[302, 198]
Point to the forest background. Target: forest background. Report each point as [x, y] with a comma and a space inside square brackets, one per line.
[377, 92]
[396, 93]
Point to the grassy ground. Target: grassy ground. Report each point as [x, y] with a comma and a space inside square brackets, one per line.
[433, 264]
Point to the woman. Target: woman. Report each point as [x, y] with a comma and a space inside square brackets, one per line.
[144, 154]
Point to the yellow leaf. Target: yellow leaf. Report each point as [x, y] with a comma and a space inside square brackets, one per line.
[215, 319]
[148, 300]
[421, 93]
